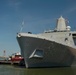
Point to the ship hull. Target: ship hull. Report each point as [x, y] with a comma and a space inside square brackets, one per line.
[38, 52]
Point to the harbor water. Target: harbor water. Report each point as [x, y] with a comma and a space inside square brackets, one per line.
[16, 70]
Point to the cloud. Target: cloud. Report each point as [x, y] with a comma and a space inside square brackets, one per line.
[70, 10]
[14, 3]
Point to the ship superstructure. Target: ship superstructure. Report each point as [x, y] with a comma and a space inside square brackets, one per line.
[49, 49]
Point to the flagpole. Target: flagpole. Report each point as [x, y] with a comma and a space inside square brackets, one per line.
[22, 26]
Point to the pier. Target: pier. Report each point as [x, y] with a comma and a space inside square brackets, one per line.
[9, 62]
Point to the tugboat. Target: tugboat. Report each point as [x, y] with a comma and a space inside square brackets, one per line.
[16, 58]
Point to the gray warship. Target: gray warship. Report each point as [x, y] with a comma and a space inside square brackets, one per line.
[52, 48]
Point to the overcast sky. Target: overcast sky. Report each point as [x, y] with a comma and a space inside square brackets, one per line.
[38, 15]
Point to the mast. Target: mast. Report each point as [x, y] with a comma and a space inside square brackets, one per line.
[61, 24]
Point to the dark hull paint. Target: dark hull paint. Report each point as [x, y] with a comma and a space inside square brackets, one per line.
[55, 54]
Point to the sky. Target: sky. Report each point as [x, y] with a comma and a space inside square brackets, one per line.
[38, 15]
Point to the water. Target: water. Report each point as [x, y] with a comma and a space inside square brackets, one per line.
[15, 70]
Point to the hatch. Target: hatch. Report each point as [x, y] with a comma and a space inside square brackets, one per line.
[74, 38]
